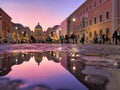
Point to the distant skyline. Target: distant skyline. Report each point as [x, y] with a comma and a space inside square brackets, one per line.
[47, 12]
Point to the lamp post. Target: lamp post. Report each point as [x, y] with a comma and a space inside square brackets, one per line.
[60, 33]
[74, 20]
[0, 28]
[16, 28]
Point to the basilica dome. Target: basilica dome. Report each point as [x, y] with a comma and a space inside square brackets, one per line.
[38, 27]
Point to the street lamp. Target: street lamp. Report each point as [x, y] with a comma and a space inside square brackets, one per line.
[74, 19]
[0, 28]
[16, 28]
[0, 17]
[59, 34]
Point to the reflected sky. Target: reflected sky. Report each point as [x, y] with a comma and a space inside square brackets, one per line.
[59, 70]
[47, 71]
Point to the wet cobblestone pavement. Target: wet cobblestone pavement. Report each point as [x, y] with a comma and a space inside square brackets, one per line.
[95, 66]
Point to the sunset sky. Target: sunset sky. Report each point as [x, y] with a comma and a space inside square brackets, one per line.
[47, 12]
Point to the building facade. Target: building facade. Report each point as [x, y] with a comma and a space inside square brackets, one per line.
[63, 27]
[19, 33]
[95, 17]
[38, 33]
[5, 24]
[53, 33]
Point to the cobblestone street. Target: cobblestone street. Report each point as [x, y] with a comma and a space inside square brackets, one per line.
[97, 66]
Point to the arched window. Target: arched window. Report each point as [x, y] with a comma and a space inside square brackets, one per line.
[100, 32]
[100, 18]
[95, 20]
[0, 16]
[94, 4]
[90, 22]
[107, 31]
[107, 15]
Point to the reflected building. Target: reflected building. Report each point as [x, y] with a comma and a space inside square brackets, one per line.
[7, 60]
[77, 66]
[52, 55]
[38, 57]
[72, 61]
[5, 64]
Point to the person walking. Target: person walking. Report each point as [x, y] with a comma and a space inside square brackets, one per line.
[83, 39]
[67, 38]
[72, 37]
[116, 35]
[62, 38]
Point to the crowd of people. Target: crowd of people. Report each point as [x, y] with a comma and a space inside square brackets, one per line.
[74, 39]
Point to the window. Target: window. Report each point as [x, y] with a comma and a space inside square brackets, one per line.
[0, 16]
[90, 22]
[107, 15]
[100, 18]
[90, 34]
[90, 7]
[100, 33]
[95, 33]
[95, 20]
[83, 11]
[87, 9]
[86, 23]
[107, 31]
[80, 13]
[83, 23]
[94, 4]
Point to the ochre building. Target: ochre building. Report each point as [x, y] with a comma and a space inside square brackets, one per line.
[95, 17]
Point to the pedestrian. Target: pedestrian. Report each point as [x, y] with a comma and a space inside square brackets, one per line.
[83, 39]
[62, 38]
[116, 36]
[32, 39]
[103, 38]
[72, 37]
[96, 38]
[67, 38]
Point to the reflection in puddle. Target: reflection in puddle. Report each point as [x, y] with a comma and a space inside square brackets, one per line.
[49, 71]
[38, 71]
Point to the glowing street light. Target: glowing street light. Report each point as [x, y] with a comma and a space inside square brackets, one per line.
[74, 19]
[16, 28]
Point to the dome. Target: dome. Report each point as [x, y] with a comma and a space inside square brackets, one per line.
[38, 27]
